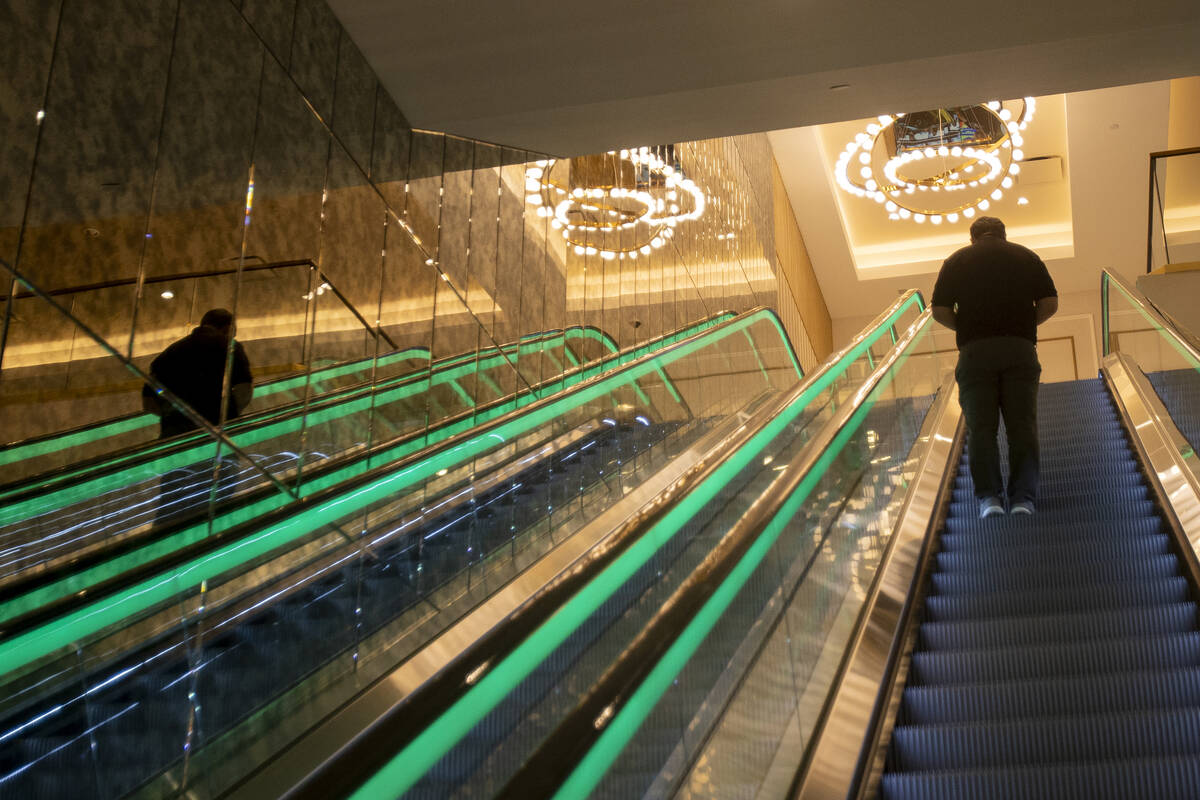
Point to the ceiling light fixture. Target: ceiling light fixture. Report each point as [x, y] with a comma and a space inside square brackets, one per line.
[614, 205]
[940, 165]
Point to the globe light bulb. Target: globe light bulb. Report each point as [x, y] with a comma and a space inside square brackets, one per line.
[952, 217]
[1007, 182]
[918, 217]
[984, 205]
[968, 212]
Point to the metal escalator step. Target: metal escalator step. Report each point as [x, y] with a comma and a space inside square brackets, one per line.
[1101, 515]
[1163, 651]
[1097, 479]
[1112, 533]
[1088, 500]
[1032, 549]
[1082, 626]
[1057, 600]
[964, 491]
[1082, 694]
[991, 578]
[1139, 734]
[1134, 779]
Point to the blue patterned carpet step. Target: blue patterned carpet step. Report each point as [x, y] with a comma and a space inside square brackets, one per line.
[1089, 694]
[1162, 651]
[1057, 600]
[1080, 626]
[1140, 779]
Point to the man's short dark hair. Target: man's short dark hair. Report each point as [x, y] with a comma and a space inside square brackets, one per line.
[219, 318]
[987, 226]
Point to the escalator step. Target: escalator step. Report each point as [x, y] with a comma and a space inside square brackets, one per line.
[1087, 694]
[1014, 632]
[1031, 553]
[1171, 732]
[1057, 601]
[971, 523]
[1153, 779]
[1161, 651]
[1050, 484]
[998, 579]
[1095, 535]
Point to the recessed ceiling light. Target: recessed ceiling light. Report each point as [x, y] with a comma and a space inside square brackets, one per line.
[1022, 201]
[167, 295]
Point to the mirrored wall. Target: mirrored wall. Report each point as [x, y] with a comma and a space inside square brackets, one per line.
[164, 159]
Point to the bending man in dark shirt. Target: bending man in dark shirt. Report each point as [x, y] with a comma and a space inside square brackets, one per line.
[193, 368]
[994, 294]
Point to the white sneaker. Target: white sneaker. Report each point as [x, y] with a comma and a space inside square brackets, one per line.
[1023, 507]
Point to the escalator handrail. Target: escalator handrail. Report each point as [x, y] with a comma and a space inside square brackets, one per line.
[840, 757]
[146, 586]
[440, 689]
[570, 761]
[1181, 336]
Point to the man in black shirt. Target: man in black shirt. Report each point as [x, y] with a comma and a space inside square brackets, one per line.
[993, 294]
[193, 368]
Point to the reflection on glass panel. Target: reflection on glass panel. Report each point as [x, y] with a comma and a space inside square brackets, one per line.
[1175, 209]
[1171, 365]
[763, 656]
[26, 41]
[307, 622]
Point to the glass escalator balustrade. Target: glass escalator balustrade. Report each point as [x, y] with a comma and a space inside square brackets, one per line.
[311, 608]
[65, 529]
[478, 744]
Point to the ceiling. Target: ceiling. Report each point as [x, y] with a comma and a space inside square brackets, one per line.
[568, 78]
[1094, 217]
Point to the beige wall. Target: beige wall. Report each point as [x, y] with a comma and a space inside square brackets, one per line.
[801, 304]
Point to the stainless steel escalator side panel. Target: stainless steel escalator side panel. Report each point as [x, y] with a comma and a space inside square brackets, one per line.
[846, 754]
[1170, 462]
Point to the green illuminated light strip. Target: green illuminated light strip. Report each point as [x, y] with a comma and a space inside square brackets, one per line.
[414, 760]
[20, 650]
[593, 767]
[82, 491]
[266, 390]
[125, 425]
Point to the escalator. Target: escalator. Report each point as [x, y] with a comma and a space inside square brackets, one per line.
[76, 533]
[838, 622]
[214, 652]
[1059, 654]
[73, 512]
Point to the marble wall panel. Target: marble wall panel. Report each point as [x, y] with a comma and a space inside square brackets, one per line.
[273, 22]
[354, 102]
[352, 245]
[26, 47]
[206, 145]
[385, 210]
[314, 54]
[391, 142]
[94, 175]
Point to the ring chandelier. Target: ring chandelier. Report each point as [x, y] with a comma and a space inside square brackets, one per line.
[935, 183]
[632, 207]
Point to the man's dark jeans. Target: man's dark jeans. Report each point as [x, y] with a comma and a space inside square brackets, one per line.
[997, 376]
